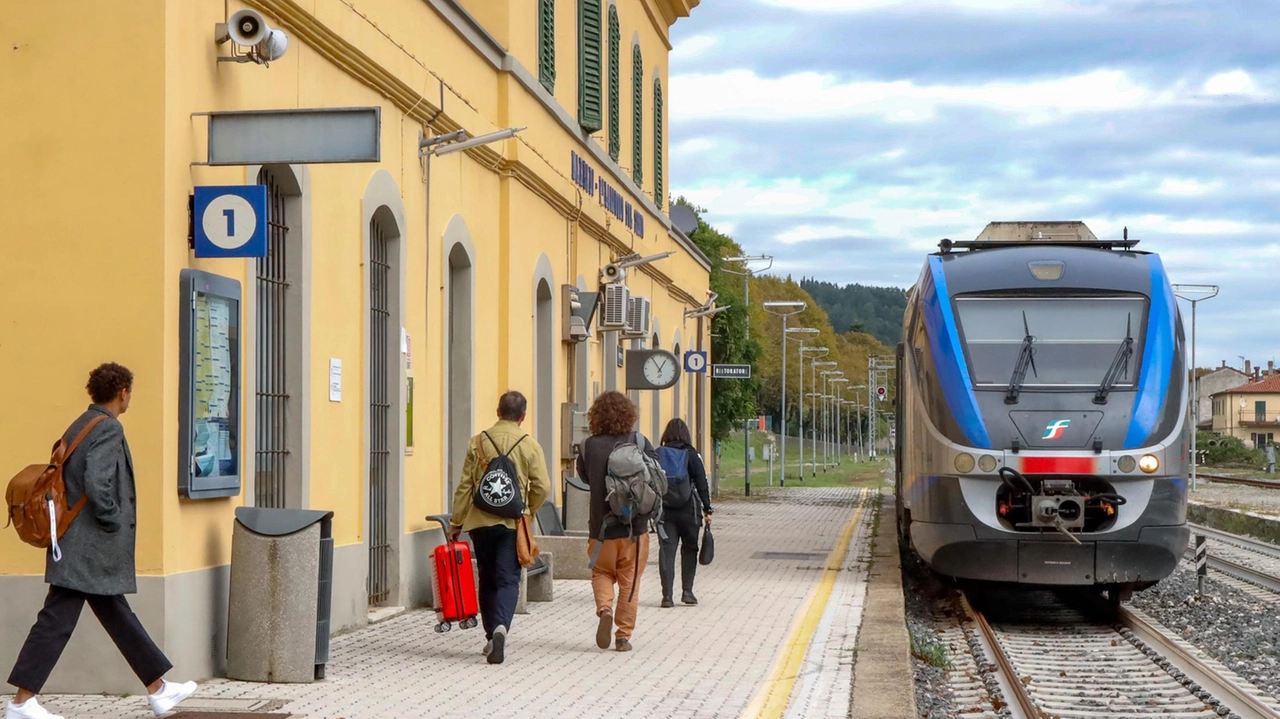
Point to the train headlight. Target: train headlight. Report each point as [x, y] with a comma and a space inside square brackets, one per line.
[987, 463]
[1149, 463]
[964, 463]
[1127, 464]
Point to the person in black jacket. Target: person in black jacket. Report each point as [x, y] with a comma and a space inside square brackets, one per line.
[683, 521]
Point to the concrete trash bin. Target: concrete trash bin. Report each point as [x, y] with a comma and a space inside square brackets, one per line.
[576, 500]
[281, 595]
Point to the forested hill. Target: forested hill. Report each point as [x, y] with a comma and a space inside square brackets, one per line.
[877, 311]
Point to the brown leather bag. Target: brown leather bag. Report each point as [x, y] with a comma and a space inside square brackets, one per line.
[37, 497]
[526, 546]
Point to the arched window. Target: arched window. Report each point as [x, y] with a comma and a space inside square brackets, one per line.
[637, 115]
[590, 60]
[615, 84]
[547, 44]
[657, 141]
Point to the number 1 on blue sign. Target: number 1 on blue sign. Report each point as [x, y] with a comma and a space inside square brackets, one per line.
[230, 214]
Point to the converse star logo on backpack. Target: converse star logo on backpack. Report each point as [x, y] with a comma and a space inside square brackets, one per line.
[498, 492]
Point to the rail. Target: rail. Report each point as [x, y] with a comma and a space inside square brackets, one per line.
[1223, 479]
[1192, 685]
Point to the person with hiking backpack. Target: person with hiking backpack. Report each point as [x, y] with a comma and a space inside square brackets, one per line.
[627, 484]
[504, 482]
[684, 508]
[92, 559]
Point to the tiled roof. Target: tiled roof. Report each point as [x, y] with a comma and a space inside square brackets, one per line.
[1269, 385]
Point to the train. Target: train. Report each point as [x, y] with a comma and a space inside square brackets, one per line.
[1042, 429]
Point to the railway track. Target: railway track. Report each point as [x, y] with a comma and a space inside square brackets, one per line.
[1249, 560]
[1223, 479]
[1046, 658]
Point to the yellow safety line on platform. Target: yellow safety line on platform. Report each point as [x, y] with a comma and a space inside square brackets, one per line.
[771, 700]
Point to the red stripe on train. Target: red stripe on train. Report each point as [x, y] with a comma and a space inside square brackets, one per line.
[1059, 465]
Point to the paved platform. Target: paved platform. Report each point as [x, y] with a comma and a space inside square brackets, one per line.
[774, 635]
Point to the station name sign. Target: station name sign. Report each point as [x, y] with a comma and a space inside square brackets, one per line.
[584, 176]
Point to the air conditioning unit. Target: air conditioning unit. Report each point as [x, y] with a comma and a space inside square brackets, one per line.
[616, 307]
[639, 320]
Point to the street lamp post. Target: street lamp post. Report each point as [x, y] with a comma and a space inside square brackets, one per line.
[784, 310]
[827, 378]
[746, 302]
[816, 352]
[1195, 294]
[813, 432]
[857, 396]
[838, 401]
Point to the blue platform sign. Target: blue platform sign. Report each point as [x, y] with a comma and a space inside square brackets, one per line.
[695, 361]
[231, 221]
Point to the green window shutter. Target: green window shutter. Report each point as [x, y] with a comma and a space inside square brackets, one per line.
[547, 44]
[615, 84]
[657, 141]
[590, 61]
[637, 116]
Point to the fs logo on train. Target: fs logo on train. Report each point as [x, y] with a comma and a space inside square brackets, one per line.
[1055, 430]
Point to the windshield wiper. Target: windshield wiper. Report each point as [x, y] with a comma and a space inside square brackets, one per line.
[1118, 365]
[1026, 358]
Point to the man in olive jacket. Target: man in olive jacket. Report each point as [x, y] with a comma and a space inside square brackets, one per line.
[493, 537]
[97, 561]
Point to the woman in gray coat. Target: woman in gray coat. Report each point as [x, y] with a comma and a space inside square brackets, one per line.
[96, 560]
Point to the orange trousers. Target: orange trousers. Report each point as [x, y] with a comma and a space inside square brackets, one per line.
[621, 562]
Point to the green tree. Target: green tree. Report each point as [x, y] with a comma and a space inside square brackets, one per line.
[732, 401]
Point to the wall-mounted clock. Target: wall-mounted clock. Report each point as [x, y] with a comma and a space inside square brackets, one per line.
[651, 369]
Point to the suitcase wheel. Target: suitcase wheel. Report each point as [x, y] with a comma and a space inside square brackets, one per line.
[443, 627]
[469, 623]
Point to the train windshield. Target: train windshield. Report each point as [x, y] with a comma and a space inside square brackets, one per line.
[1075, 339]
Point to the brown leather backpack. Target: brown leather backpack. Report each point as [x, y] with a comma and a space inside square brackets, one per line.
[37, 497]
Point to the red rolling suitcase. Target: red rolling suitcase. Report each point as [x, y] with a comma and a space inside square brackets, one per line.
[453, 585]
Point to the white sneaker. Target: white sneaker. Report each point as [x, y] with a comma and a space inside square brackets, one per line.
[170, 696]
[488, 647]
[29, 709]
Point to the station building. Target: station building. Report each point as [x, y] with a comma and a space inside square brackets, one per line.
[399, 297]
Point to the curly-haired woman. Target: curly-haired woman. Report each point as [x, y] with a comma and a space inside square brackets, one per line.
[625, 549]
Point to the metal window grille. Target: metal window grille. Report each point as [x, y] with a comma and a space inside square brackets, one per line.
[271, 394]
[379, 412]
[615, 83]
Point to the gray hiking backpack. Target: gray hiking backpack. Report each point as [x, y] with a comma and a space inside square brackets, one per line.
[634, 485]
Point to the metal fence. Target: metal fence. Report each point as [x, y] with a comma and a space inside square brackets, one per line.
[271, 394]
[379, 411]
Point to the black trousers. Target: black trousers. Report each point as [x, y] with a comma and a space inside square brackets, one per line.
[57, 620]
[682, 527]
[499, 569]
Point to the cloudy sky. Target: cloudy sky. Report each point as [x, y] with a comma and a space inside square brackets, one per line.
[846, 137]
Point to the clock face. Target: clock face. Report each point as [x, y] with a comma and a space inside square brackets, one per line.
[659, 370]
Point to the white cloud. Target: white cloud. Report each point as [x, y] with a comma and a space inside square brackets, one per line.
[977, 6]
[1236, 82]
[742, 94]
[693, 47]
[806, 233]
[1179, 187]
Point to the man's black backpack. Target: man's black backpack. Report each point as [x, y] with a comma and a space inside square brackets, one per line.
[498, 491]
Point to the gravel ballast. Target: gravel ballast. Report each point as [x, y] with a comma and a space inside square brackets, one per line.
[1236, 629]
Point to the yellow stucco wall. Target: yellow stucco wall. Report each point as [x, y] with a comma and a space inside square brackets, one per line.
[95, 199]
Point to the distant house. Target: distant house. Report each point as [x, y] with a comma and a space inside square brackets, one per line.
[1212, 383]
[1250, 411]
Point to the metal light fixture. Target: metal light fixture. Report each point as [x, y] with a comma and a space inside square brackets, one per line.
[476, 141]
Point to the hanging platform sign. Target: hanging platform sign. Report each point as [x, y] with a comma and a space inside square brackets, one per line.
[230, 221]
[309, 136]
[731, 371]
